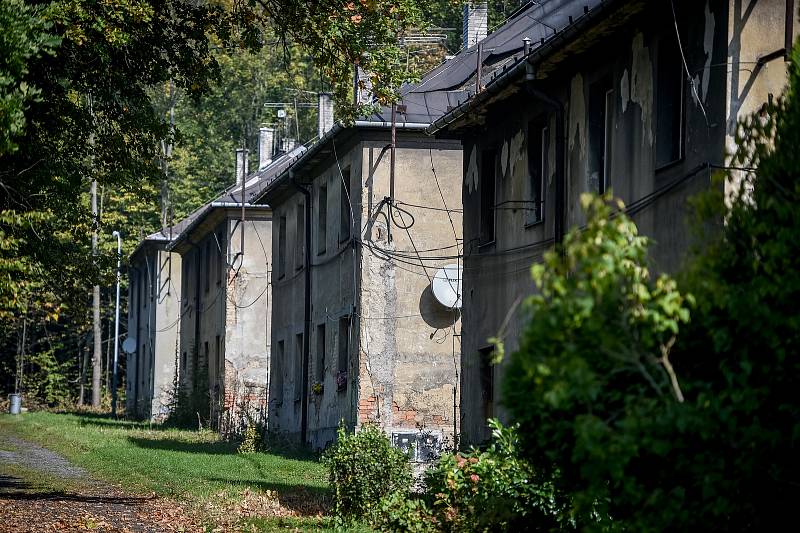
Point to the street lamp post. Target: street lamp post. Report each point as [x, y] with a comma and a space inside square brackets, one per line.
[116, 328]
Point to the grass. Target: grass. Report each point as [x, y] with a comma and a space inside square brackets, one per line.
[284, 490]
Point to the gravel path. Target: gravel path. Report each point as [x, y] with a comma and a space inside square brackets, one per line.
[42, 491]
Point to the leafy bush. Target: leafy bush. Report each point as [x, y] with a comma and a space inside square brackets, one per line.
[491, 490]
[400, 512]
[364, 467]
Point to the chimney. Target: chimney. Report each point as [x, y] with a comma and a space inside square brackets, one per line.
[476, 23]
[241, 165]
[362, 87]
[266, 146]
[325, 113]
[288, 144]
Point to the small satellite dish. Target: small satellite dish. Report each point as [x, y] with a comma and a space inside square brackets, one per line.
[281, 113]
[129, 345]
[446, 286]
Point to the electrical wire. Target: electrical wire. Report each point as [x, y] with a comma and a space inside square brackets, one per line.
[689, 77]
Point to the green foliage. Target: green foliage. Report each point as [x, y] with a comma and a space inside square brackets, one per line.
[491, 490]
[592, 375]
[400, 513]
[364, 467]
[251, 443]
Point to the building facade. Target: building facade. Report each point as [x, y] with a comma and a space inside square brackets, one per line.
[628, 96]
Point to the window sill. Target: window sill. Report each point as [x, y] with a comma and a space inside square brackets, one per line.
[483, 246]
[537, 223]
[671, 164]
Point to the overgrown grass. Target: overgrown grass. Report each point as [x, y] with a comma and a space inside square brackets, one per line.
[192, 467]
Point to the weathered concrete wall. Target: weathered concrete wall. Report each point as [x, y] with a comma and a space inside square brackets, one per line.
[496, 274]
[153, 314]
[401, 366]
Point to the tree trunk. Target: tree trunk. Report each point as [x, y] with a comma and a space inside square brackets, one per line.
[97, 358]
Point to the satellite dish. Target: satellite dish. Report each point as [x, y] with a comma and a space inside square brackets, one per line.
[446, 286]
[129, 345]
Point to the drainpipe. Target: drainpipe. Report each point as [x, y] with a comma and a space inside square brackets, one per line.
[789, 30]
[307, 311]
[558, 109]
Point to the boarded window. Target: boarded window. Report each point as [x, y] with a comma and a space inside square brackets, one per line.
[276, 387]
[669, 103]
[538, 149]
[487, 381]
[300, 236]
[345, 199]
[322, 220]
[319, 363]
[600, 129]
[282, 247]
[487, 186]
[298, 367]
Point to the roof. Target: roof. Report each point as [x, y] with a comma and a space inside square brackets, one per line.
[551, 26]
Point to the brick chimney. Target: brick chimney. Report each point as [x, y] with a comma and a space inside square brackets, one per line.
[241, 165]
[325, 113]
[266, 146]
[476, 23]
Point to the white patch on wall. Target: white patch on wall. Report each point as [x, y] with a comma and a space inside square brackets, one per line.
[504, 159]
[708, 47]
[625, 90]
[515, 151]
[642, 84]
[577, 115]
[471, 177]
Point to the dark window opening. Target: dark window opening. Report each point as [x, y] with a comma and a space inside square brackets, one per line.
[345, 200]
[300, 237]
[209, 261]
[600, 129]
[322, 222]
[319, 364]
[282, 247]
[487, 186]
[669, 103]
[487, 381]
[298, 367]
[344, 353]
[277, 374]
[220, 362]
[538, 149]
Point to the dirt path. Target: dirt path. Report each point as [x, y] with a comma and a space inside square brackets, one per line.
[41, 491]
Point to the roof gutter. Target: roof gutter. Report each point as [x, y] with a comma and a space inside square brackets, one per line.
[518, 69]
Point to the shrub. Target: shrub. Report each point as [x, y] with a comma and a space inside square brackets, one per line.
[364, 467]
[400, 512]
[491, 490]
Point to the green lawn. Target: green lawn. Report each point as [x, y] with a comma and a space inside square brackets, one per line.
[192, 467]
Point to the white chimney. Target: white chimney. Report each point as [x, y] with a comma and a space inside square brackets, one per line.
[325, 113]
[288, 144]
[362, 86]
[241, 165]
[266, 146]
[476, 23]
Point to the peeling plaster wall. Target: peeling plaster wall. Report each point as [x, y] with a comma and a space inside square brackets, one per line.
[153, 322]
[497, 275]
[401, 371]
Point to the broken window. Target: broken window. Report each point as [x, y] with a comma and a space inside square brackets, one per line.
[300, 237]
[282, 247]
[276, 387]
[669, 103]
[487, 186]
[345, 220]
[322, 222]
[319, 363]
[538, 149]
[344, 353]
[298, 367]
[487, 381]
[600, 129]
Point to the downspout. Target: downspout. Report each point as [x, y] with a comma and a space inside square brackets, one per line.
[558, 109]
[307, 311]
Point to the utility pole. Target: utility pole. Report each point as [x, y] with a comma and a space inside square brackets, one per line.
[97, 357]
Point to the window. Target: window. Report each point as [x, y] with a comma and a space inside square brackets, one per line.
[322, 221]
[487, 381]
[209, 261]
[220, 358]
[183, 362]
[345, 221]
[206, 353]
[600, 128]
[319, 362]
[220, 270]
[298, 367]
[488, 178]
[538, 149]
[277, 374]
[282, 247]
[344, 353]
[669, 103]
[300, 237]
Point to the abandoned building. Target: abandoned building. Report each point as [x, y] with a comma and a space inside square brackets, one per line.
[365, 222]
[637, 97]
